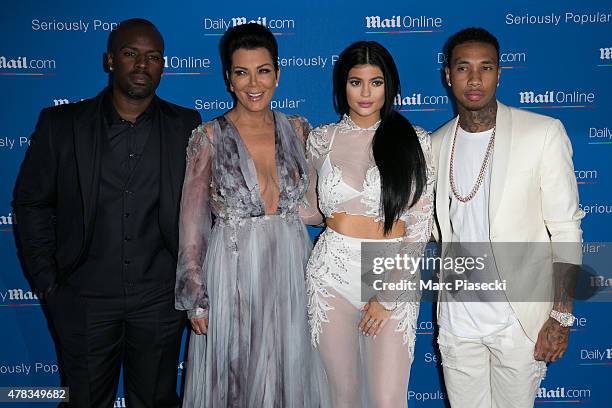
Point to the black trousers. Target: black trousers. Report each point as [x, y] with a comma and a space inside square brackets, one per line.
[97, 335]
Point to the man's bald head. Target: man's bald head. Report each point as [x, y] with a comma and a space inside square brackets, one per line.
[117, 37]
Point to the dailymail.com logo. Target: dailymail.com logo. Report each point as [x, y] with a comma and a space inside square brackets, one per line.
[278, 26]
[24, 65]
[563, 393]
[19, 296]
[6, 222]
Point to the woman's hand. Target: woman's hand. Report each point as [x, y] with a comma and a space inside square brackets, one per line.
[375, 316]
[199, 325]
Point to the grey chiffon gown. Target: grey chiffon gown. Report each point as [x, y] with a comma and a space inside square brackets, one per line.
[245, 269]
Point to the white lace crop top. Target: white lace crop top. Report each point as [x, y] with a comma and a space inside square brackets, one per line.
[344, 177]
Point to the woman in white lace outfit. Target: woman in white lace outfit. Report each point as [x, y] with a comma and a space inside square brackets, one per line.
[373, 177]
[243, 248]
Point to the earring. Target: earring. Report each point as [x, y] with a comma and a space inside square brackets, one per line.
[449, 84]
[277, 84]
[110, 68]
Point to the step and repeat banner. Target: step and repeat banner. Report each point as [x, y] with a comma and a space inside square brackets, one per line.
[556, 58]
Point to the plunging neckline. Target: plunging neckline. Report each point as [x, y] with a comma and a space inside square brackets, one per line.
[253, 168]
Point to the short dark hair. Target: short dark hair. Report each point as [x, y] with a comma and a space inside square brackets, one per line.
[472, 34]
[127, 24]
[248, 36]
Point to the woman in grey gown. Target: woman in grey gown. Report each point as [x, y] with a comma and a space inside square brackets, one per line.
[243, 248]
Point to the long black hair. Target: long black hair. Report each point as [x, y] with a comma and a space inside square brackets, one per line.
[395, 146]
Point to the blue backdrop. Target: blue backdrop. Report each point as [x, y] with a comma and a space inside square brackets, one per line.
[556, 59]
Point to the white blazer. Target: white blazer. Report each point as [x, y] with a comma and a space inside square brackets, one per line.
[533, 198]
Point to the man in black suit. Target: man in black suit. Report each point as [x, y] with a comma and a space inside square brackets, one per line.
[97, 203]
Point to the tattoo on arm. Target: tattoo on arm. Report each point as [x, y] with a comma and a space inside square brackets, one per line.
[564, 283]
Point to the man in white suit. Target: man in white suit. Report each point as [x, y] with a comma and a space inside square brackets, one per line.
[504, 175]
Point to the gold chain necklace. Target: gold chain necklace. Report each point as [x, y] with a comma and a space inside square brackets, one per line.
[481, 174]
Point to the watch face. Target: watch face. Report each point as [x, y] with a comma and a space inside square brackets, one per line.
[565, 319]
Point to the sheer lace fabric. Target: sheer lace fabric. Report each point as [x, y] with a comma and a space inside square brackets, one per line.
[362, 371]
[344, 179]
[221, 181]
[245, 269]
[348, 181]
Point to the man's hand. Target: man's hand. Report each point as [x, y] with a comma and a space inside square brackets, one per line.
[199, 325]
[552, 341]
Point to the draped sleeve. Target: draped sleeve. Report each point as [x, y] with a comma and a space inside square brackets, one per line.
[317, 146]
[301, 126]
[419, 218]
[195, 224]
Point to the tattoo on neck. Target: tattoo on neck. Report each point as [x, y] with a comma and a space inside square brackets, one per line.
[478, 121]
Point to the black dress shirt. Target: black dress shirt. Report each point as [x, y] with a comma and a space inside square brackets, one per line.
[127, 251]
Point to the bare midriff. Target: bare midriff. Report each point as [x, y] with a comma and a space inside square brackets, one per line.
[360, 226]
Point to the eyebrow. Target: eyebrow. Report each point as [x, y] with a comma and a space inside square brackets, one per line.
[260, 66]
[371, 79]
[137, 49]
[464, 61]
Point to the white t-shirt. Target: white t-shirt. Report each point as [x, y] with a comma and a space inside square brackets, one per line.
[470, 223]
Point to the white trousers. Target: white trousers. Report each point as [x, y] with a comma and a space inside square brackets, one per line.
[496, 371]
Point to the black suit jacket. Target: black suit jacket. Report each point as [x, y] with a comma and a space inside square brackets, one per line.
[56, 194]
